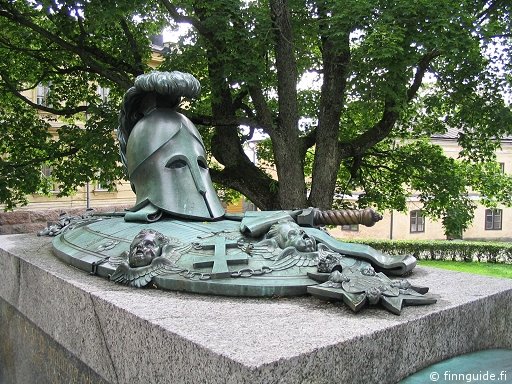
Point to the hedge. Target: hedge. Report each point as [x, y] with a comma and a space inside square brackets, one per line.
[455, 250]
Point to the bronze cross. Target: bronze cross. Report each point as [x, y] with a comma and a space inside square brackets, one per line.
[220, 260]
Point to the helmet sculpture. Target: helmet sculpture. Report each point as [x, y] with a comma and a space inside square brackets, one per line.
[162, 150]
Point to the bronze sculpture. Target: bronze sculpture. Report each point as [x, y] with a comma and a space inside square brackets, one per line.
[178, 237]
[145, 260]
[145, 247]
[163, 152]
[289, 234]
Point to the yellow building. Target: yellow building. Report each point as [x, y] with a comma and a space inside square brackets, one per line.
[491, 224]
[93, 195]
[488, 224]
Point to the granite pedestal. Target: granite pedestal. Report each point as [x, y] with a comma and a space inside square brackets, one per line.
[60, 324]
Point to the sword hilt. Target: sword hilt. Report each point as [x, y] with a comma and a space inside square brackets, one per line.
[315, 217]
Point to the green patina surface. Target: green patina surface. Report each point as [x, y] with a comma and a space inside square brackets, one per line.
[489, 366]
[209, 255]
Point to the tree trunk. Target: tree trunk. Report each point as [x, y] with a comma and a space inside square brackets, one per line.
[336, 57]
[239, 172]
[285, 136]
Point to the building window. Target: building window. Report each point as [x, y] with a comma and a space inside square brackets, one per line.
[493, 219]
[46, 173]
[101, 187]
[103, 93]
[417, 221]
[350, 227]
[502, 167]
[42, 93]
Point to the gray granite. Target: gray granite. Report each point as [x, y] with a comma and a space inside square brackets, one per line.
[144, 335]
[28, 355]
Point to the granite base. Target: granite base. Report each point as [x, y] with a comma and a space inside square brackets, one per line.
[127, 335]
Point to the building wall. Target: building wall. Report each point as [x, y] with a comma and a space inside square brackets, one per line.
[84, 197]
[395, 225]
[97, 198]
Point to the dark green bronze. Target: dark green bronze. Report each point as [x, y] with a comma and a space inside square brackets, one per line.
[178, 237]
[214, 257]
[163, 152]
[359, 287]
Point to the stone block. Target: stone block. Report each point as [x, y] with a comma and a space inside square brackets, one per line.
[29, 221]
[127, 335]
[28, 227]
[34, 357]
[44, 216]
[16, 217]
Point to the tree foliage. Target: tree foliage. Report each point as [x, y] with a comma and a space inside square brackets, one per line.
[382, 77]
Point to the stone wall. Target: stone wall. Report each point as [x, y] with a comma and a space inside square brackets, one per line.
[33, 221]
[29, 355]
[62, 325]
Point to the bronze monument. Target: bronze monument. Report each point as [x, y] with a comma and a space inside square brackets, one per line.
[178, 237]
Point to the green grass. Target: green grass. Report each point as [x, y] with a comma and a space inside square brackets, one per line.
[488, 269]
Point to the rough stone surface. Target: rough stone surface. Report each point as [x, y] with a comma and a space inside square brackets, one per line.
[32, 221]
[144, 335]
[28, 355]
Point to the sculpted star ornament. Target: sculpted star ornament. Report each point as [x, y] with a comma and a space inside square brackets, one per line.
[358, 288]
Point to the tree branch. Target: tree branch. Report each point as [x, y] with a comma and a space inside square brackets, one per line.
[257, 188]
[263, 112]
[369, 138]
[6, 165]
[57, 69]
[239, 98]
[286, 66]
[61, 112]
[212, 121]
[420, 72]
[139, 63]
[308, 141]
[336, 58]
[195, 22]
[88, 54]
[179, 18]
[390, 114]
[482, 16]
